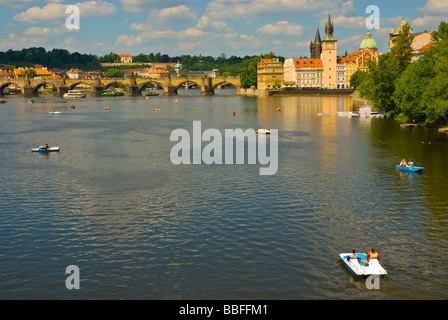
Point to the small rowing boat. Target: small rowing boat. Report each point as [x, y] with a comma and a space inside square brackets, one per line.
[263, 131]
[361, 268]
[41, 149]
[55, 112]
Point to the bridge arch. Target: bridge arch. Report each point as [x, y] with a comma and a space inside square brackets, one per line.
[182, 82]
[141, 85]
[4, 85]
[42, 84]
[114, 82]
[215, 85]
[75, 84]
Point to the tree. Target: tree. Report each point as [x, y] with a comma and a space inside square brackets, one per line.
[277, 83]
[249, 69]
[402, 49]
[29, 73]
[113, 73]
[435, 96]
[357, 78]
[410, 88]
[378, 85]
[422, 88]
[249, 72]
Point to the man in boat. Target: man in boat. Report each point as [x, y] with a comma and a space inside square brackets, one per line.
[46, 147]
[352, 256]
[372, 254]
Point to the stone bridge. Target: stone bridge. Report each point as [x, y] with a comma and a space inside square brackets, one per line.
[30, 87]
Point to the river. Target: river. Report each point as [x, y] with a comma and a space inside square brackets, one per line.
[112, 203]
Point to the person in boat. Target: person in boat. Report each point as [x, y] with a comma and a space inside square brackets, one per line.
[353, 255]
[403, 163]
[372, 254]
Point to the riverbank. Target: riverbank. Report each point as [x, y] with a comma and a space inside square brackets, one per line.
[358, 99]
[294, 92]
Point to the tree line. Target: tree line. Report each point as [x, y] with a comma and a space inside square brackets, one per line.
[414, 91]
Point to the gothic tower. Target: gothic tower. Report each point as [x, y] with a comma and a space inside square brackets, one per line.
[329, 56]
[316, 46]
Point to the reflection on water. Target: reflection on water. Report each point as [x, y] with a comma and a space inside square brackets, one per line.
[137, 226]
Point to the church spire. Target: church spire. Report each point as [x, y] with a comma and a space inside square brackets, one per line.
[316, 46]
[317, 37]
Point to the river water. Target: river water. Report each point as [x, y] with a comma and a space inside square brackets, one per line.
[137, 226]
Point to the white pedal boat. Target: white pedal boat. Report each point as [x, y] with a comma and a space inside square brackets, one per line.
[263, 131]
[40, 149]
[361, 268]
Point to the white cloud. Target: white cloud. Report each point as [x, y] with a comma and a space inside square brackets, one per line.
[302, 44]
[235, 9]
[191, 46]
[36, 31]
[128, 40]
[248, 42]
[347, 8]
[356, 40]
[15, 41]
[144, 5]
[205, 22]
[347, 22]
[436, 6]
[55, 12]
[281, 28]
[427, 21]
[172, 15]
[17, 4]
[148, 35]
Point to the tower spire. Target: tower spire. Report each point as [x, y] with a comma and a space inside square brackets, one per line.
[329, 29]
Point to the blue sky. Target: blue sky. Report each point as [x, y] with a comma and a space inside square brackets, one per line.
[209, 27]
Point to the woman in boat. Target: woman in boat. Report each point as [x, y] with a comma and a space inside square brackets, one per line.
[403, 163]
[372, 254]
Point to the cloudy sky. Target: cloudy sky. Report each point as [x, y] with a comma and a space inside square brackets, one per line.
[209, 27]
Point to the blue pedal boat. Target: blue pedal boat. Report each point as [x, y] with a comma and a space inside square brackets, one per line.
[409, 169]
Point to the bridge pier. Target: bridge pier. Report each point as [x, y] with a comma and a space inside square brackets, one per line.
[134, 90]
[170, 91]
[207, 91]
[62, 90]
[28, 91]
[207, 88]
[98, 90]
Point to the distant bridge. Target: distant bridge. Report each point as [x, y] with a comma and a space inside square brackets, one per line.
[30, 87]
